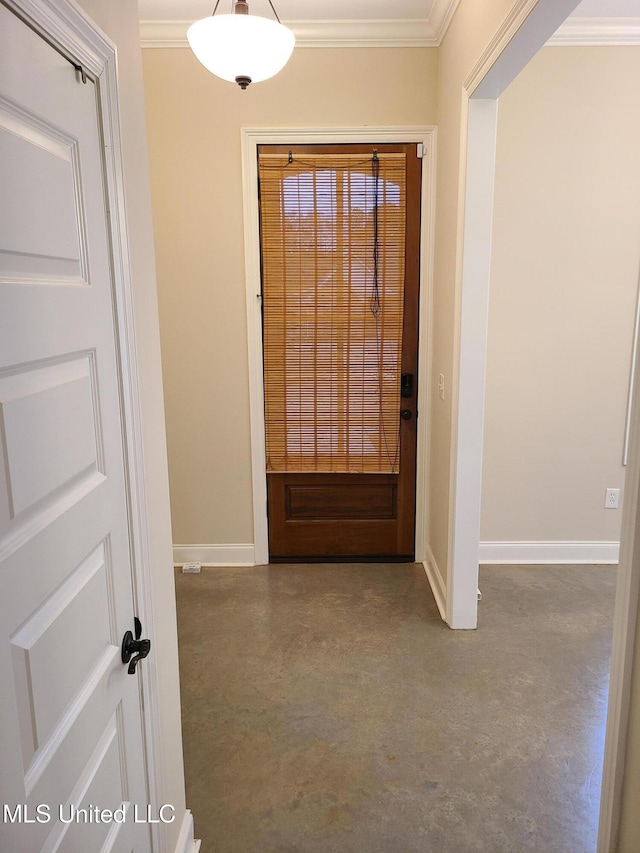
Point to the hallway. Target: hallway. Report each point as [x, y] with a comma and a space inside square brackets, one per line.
[328, 708]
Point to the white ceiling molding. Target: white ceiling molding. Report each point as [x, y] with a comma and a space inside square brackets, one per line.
[422, 32]
[164, 33]
[440, 17]
[597, 32]
[404, 33]
[388, 33]
[361, 32]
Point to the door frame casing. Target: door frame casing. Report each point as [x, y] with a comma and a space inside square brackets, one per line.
[251, 139]
[71, 31]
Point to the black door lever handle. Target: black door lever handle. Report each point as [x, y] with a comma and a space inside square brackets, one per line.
[134, 650]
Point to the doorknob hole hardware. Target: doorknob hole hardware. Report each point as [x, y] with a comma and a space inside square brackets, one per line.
[406, 414]
[134, 650]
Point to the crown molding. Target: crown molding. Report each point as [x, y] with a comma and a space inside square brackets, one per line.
[164, 33]
[498, 44]
[387, 33]
[440, 17]
[597, 32]
[574, 32]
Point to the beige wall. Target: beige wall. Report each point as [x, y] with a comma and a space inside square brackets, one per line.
[194, 129]
[119, 20]
[565, 262]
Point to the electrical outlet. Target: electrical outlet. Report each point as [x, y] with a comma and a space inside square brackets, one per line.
[191, 568]
[441, 385]
[612, 499]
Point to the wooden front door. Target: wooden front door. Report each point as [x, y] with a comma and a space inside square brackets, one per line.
[340, 234]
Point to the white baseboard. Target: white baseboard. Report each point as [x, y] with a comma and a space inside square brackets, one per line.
[186, 842]
[215, 555]
[591, 553]
[436, 583]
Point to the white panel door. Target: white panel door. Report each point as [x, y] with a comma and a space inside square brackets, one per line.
[70, 720]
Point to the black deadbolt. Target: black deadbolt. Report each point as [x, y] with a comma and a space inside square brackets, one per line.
[406, 385]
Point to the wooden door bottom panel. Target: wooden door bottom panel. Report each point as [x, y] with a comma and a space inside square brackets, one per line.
[336, 516]
[308, 501]
[335, 538]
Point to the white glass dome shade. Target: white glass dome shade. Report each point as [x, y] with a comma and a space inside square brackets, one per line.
[241, 48]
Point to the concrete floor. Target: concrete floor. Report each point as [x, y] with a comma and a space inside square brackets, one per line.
[327, 708]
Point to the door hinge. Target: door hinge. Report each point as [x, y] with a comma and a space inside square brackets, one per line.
[420, 150]
[81, 72]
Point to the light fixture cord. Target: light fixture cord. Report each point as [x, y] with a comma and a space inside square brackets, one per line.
[232, 4]
[274, 11]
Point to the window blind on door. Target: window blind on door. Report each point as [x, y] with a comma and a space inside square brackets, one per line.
[333, 265]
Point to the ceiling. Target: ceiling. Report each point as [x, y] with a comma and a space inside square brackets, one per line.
[328, 23]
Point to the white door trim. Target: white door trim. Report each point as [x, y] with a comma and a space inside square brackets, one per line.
[251, 138]
[71, 31]
[524, 32]
[468, 406]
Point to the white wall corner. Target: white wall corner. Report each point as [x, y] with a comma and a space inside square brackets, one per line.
[477, 164]
[434, 576]
[215, 555]
[536, 553]
[186, 842]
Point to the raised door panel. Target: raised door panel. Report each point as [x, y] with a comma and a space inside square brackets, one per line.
[80, 609]
[43, 237]
[333, 517]
[48, 431]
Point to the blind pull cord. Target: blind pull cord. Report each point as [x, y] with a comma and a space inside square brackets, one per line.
[375, 295]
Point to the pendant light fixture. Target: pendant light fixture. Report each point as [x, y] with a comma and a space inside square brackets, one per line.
[240, 47]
